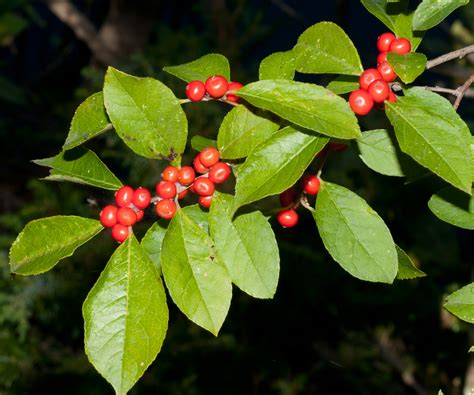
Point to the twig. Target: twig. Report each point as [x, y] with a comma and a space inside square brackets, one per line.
[463, 91]
[460, 53]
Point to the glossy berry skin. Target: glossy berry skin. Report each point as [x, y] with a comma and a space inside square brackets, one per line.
[233, 86]
[384, 41]
[287, 197]
[195, 90]
[287, 218]
[310, 184]
[108, 216]
[219, 173]
[381, 57]
[209, 156]
[379, 90]
[126, 216]
[400, 46]
[361, 102]
[140, 214]
[392, 97]
[170, 173]
[165, 208]
[203, 186]
[205, 201]
[186, 175]
[120, 232]
[216, 86]
[367, 77]
[182, 194]
[198, 166]
[166, 189]
[141, 198]
[386, 71]
[124, 196]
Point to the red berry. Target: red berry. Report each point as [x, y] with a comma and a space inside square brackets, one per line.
[367, 77]
[170, 173]
[379, 91]
[141, 197]
[205, 201]
[310, 184]
[203, 186]
[219, 173]
[384, 41]
[140, 215]
[165, 208]
[198, 166]
[386, 72]
[124, 196]
[186, 175]
[216, 86]
[166, 189]
[233, 86]
[209, 156]
[287, 218]
[361, 102]
[382, 57]
[126, 216]
[120, 232]
[400, 45]
[195, 90]
[108, 216]
[182, 194]
[287, 197]
[392, 97]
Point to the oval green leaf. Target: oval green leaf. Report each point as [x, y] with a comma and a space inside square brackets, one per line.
[430, 13]
[153, 241]
[454, 207]
[408, 66]
[201, 69]
[343, 84]
[278, 65]
[407, 269]
[200, 142]
[461, 303]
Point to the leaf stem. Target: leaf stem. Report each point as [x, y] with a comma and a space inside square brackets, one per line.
[458, 54]
[463, 89]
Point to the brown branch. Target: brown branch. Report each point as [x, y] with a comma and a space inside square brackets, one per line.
[463, 91]
[460, 53]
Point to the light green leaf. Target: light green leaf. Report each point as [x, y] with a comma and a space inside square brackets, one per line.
[125, 317]
[153, 240]
[472, 157]
[407, 269]
[90, 120]
[276, 164]
[146, 115]
[241, 131]
[307, 105]
[326, 48]
[44, 242]
[198, 215]
[461, 303]
[202, 68]
[246, 246]
[454, 207]
[471, 349]
[408, 66]
[198, 284]
[278, 65]
[430, 13]
[82, 166]
[355, 235]
[199, 143]
[431, 132]
[343, 84]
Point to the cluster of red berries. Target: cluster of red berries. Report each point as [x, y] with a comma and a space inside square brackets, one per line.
[374, 87]
[215, 87]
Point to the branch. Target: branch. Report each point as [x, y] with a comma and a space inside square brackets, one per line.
[463, 91]
[460, 53]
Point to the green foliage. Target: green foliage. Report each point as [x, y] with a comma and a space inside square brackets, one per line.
[200, 142]
[407, 270]
[454, 207]
[153, 241]
[343, 84]
[278, 65]
[408, 66]
[461, 303]
[429, 13]
[202, 68]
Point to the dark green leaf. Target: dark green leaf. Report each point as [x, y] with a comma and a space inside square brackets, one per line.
[199, 143]
[431, 12]
[153, 240]
[454, 207]
[461, 303]
[278, 65]
[408, 66]
[407, 270]
[343, 84]
[202, 68]
[10, 25]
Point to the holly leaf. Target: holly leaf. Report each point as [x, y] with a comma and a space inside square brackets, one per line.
[201, 69]
[307, 105]
[454, 207]
[431, 132]
[200, 142]
[44, 242]
[125, 317]
[461, 303]
[326, 48]
[408, 66]
[354, 234]
[407, 269]
[80, 165]
[278, 65]
[430, 13]
[153, 241]
[343, 84]
[146, 115]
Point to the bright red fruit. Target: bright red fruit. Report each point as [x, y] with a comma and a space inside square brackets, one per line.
[205, 201]
[310, 184]
[165, 208]
[287, 218]
[233, 86]
[287, 197]
[186, 175]
[392, 97]
[203, 186]
[120, 232]
[182, 194]
[216, 86]
[141, 197]
[379, 91]
[126, 216]
[219, 173]
[198, 166]
[124, 196]
[367, 77]
[209, 156]
[386, 72]
[361, 102]
[381, 57]
[195, 90]
[140, 215]
[400, 46]
[170, 173]
[108, 216]
[166, 189]
[384, 41]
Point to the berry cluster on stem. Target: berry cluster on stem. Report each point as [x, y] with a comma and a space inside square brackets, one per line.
[215, 87]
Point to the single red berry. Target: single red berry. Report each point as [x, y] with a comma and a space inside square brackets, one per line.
[186, 175]
[392, 97]
[233, 86]
[195, 90]
[209, 156]
[140, 214]
[337, 147]
[198, 166]
[401, 46]
[216, 86]
[287, 197]
[287, 218]
[361, 102]
[381, 57]
[120, 232]
[165, 208]
[170, 173]
[379, 91]
[124, 196]
[166, 189]
[108, 216]
[203, 186]
[367, 77]
[219, 173]
[182, 194]
[310, 184]
[386, 72]
[126, 216]
[141, 197]
[205, 201]
[384, 41]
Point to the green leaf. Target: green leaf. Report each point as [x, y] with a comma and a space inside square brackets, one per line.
[247, 247]
[407, 269]
[198, 215]
[199, 143]
[408, 66]
[198, 284]
[202, 68]
[276, 164]
[431, 132]
[430, 13]
[454, 207]
[241, 131]
[146, 115]
[355, 235]
[343, 84]
[461, 303]
[10, 25]
[307, 105]
[80, 165]
[44, 242]
[90, 120]
[326, 48]
[125, 317]
[471, 349]
[278, 65]
[153, 241]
